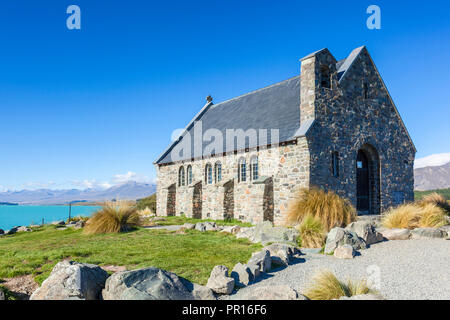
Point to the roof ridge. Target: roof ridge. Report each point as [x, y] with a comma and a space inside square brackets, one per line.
[254, 91]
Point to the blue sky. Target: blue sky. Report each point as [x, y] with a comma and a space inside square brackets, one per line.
[96, 106]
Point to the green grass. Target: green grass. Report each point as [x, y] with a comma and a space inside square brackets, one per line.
[444, 192]
[148, 202]
[191, 255]
[179, 220]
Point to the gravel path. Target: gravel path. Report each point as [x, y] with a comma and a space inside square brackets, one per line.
[411, 269]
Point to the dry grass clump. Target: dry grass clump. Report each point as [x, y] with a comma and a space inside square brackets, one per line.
[145, 212]
[113, 217]
[326, 286]
[438, 200]
[312, 233]
[331, 209]
[415, 215]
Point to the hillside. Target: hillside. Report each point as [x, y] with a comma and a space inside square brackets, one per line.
[432, 177]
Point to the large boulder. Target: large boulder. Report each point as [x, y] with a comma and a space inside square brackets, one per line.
[58, 223]
[254, 270]
[200, 226]
[277, 292]
[219, 281]
[242, 275]
[281, 253]
[366, 231]
[23, 229]
[265, 233]
[11, 231]
[344, 252]
[231, 229]
[70, 280]
[428, 233]
[395, 234]
[340, 236]
[189, 226]
[210, 226]
[146, 284]
[261, 259]
[198, 292]
[246, 232]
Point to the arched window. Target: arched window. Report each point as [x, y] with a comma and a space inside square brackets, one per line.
[254, 168]
[217, 172]
[208, 174]
[242, 170]
[181, 177]
[335, 164]
[325, 77]
[189, 174]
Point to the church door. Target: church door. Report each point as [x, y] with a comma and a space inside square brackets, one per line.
[362, 181]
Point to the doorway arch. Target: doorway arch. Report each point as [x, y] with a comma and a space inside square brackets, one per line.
[367, 180]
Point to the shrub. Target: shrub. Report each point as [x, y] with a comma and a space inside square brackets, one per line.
[414, 215]
[145, 212]
[327, 287]
[113, 217]
[438, 200]
[312, 233]
[331, 209]
[149, 202]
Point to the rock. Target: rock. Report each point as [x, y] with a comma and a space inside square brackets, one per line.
[277, 292]
[11, 231]
[231, 229]
[340, 236]
[254, 270]
[395, 234]
[282, 253]
[189, 226]
[242, 275]
[262, 259]
[366, 231]
[344, 252]
[200, 226]
[146, 284]
[79, 225]
[369, 296]
[265, 233]
[197, 291]
[246, 232]
[210, 226]
[23, 229]
[428, 233]
[219, 282]
[70, 280]
[2, 295]
[58, 223]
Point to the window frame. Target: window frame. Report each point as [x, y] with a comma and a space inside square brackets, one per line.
[254, 163]
[181, 177]
[208, 174]
[189, 175]
[217, 172]
[242, 170]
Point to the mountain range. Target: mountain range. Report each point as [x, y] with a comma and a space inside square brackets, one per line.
[128, 191]
[432, 177]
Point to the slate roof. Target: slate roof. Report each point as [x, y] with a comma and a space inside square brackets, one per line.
[274, 107]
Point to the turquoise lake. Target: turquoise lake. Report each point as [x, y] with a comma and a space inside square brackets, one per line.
[11, 216]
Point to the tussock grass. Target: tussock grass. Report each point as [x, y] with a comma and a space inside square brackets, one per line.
[312, 233]
[113, 217]
[414, 215]
[145, 212]
[438, 200]
[331, 209]
[326, 286]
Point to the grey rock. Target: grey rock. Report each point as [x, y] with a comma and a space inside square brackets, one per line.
[231, 229]
[282, 253]
[200, 226]
[395, 234]
[242, 275]
[262, 259]
[23, 229]
[265, 233]
[197, 291]
[210, 226]
[219, 282]
[366, 231]
[428, 233]
[58, 223]
[254, 270]
[277, 292]
[340, 236]
[146, 284]
[246, 232]
[189, 226]
[2, 295]
[70, 280]
[344, 252]
[11, 231]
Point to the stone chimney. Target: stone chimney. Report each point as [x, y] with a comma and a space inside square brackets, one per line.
[318, 71]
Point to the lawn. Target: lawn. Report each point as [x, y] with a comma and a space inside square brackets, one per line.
[179, 220]
[191, 255]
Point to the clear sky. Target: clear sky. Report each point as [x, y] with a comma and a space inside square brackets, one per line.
[86, 107]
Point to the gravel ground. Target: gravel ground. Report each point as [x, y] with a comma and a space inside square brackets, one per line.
[411, 269]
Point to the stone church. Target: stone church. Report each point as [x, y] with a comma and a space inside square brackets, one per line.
[335, 126]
